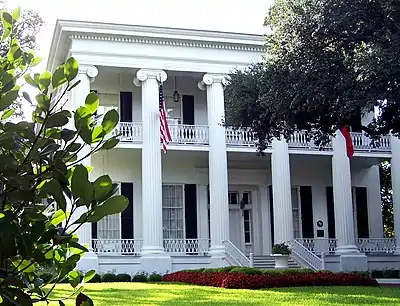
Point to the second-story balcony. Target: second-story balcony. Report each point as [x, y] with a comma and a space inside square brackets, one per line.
[197, 135]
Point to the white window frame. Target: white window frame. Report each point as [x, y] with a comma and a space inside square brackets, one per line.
[183, 209]
[297, 189]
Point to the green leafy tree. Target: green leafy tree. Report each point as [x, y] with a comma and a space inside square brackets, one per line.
[327, 62]
[43, 185]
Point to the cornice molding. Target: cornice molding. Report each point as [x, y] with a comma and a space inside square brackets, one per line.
[169, 42]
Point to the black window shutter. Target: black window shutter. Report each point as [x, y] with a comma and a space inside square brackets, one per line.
[191, 211]
[127, 214]
[188, 109]
[362, 212]
[94, 230]
[331, 212]
[307, 219]
[271, 208]
[125, 106]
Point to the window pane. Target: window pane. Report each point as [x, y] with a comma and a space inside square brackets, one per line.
[173, 212]
[246, 198]
[295, 198]
[247, 237]
[233, 198]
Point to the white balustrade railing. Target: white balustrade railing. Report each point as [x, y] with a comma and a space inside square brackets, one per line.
[187, 246]
[239, 137]
[362, 142]
[301, 253]
[189, 134]
[376, 245]
[318, 245]
[299, 139]
[129, 131]
[120, 246]
[235, 254]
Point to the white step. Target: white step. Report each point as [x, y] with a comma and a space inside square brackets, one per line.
[268, 262]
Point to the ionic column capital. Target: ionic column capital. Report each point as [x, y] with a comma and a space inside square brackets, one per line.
[90, 71]
[209, 79]
[147, 74]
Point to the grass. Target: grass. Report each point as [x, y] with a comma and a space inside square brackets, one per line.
[116, 294]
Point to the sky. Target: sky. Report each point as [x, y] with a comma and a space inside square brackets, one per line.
[218, 15]
[221, 15]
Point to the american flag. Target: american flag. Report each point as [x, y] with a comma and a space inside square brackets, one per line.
[165, 135]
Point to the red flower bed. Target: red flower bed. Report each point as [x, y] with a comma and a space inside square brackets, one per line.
[245, 281]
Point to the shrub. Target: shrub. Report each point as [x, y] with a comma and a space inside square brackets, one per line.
[154, 277]
[96, 279]
[247, 270]
[109, 278]
[226, 269]
[141, 277]
[124, 278]
[46, 276]
[390, 273]
[281, 248]
[377, 273]
[239, 280]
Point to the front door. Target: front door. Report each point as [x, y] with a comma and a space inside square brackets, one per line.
[240, 219]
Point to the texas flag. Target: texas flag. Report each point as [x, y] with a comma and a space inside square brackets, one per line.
[345, 130]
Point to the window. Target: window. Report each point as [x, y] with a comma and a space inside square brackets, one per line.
[296, 213]
[247, 226]
[173, 212]
[233, 198]
[110, 226]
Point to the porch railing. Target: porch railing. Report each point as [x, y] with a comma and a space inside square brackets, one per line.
[199, 135]
[187, 246]
[120, 246]
[318, 245]
[301, 253]
[376, 245]
[365, 245]
[236, 255]
[189, 134]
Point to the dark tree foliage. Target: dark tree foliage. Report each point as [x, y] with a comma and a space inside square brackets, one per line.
[327, 62]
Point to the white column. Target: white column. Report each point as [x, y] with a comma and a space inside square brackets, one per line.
[151, 162]
[281, 191]
[137, 210]
[202, 212]
[266, 239]
[342, 196]
[395, 168]
[86, 75]
[218, 168]
[375, 220]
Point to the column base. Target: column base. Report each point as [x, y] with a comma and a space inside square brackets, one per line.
[152, 251]
[347, 249]
[152, 263]
[218, 257]
[89, 261]
[397, 250]
[353, 262]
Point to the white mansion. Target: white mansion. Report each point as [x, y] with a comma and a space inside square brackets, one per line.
[211, 200]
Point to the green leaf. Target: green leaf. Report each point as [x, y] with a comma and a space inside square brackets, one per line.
[58, 77]
[109, 144]
[78, 246]
[25, 265]
[7, 114]
[80, 185]
[57, 120]
[83, 300]
[44, 80]
[111, 206]
[27, 97]
[89, 275]
[74, 278]
[30, 80]
[53, 188]
[102, 187]
[67, 134]
[9, 98]
[36, 61]
[58, 217]
[7, 21]
[92, 102]
[97, 134]
[74, 147]
[43, 101]
[71, 69]
[61, 303]
[16, 13]
[110, 121]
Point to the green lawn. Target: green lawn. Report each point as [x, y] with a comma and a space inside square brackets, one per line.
[114, 294]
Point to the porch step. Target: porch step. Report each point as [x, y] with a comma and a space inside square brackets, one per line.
[268, 262]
